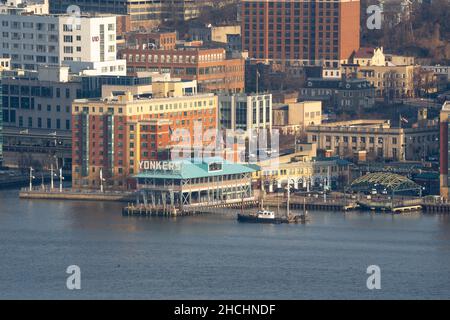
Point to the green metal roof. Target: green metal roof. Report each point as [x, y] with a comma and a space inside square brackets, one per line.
[198, 169]
[389, 181]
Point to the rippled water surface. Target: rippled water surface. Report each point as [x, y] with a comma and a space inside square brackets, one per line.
[215, 257]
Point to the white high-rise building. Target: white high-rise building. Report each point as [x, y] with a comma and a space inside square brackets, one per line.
[87, 44]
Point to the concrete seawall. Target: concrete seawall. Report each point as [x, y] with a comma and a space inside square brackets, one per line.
[67, 195]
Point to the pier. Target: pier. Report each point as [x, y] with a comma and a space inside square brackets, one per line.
[74, 194]
[187, 210]
[440, 208]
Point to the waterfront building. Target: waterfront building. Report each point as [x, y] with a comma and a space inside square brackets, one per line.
[115, 134]
[339, 94]
[211, 67]
[378, 138]
[295, 117]
[39, 100]
[304, 171]
[37, 115]
[30, 40]
[306, 32]
[37, 112]
[444, 150]
[245, 111]
[195, 181]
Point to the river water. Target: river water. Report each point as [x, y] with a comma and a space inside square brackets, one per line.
[215, 257]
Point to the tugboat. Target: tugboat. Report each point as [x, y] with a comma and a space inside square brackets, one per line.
[262, 216]
[266, 216]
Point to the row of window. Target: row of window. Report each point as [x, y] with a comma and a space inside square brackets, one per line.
[29, 25]
[10, 117]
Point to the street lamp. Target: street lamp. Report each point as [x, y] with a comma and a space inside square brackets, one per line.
[61, 178]
[52, 175]
[31, 178]
[101, 180]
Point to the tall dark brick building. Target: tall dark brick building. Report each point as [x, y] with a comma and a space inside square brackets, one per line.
[309, 32]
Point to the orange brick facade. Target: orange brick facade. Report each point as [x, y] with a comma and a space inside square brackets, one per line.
[298, 31]
[210, 67]
[115, 136]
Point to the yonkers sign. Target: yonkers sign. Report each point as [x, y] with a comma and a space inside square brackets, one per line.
[159, 166]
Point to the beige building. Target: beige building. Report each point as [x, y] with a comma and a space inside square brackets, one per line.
[391, 75]
[378, 138]
[304, 171]
[297, 116]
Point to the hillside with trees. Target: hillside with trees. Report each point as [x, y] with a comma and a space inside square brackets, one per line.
[424, 33]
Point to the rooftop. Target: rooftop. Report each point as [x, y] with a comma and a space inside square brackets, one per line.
[359, 123]
[364, 52]
[197, 168]
[389, 181]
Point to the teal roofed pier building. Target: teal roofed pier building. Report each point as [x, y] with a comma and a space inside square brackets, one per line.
[195, 182]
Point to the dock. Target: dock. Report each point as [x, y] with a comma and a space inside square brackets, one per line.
[314, 204]
[439, 208]
[73, 194]
[150, 210]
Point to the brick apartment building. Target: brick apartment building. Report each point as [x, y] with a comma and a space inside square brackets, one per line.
[321, 32]
[115, 135]
[212, 69]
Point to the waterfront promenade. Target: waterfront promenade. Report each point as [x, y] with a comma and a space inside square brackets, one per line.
[336, 202]
[76, 194]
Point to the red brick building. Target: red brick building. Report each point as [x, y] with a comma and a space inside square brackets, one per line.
[211, 68]
[115, 135]
[320, 32]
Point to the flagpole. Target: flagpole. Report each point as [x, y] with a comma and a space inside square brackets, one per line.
[257, 80]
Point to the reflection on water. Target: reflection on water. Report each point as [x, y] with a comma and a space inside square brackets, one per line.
[214, 256]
